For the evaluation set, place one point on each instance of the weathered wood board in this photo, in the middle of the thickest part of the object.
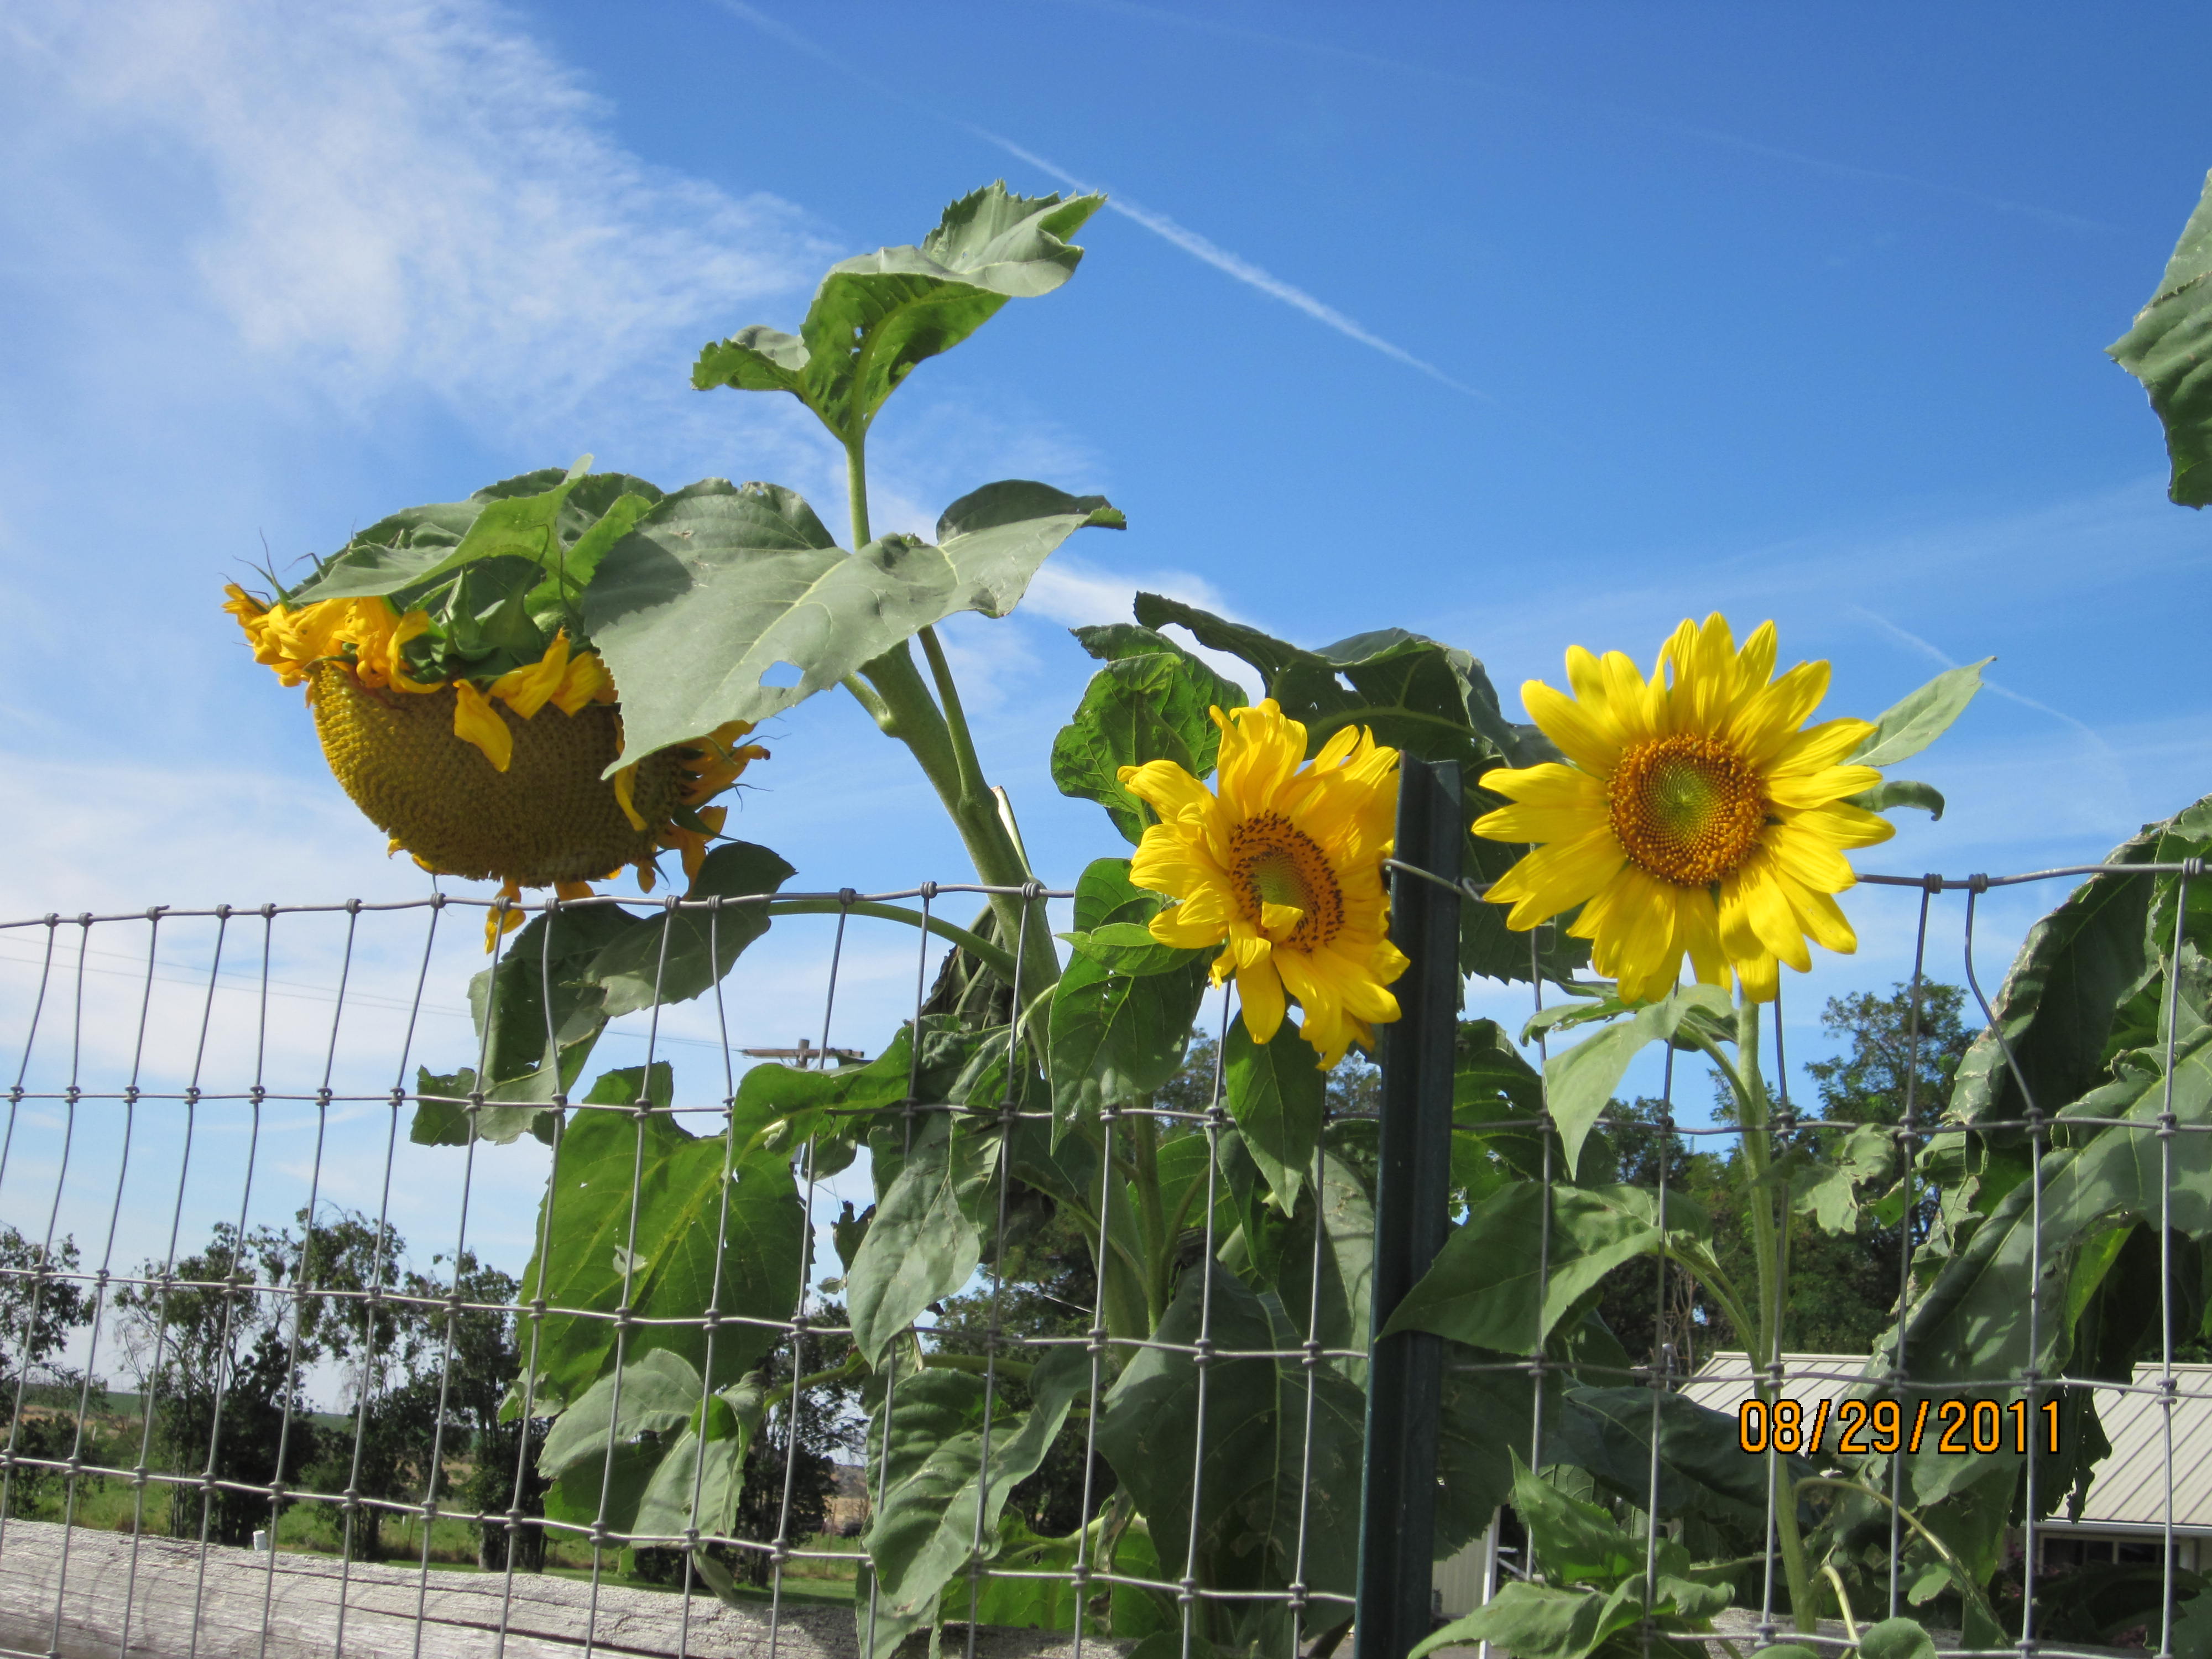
(238, 1604)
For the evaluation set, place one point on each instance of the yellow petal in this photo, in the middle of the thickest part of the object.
(1260, 1001)
(526, 690)
(1548, 785)
(497, 921)
(625, 793)
(1808, 859)
(1584, 739)
(1767, 909)
(1822, 919)
(1165, 787)
(1814, 789)
(1844, 826)
(586, 681)
(1558, 877)
(475, 721)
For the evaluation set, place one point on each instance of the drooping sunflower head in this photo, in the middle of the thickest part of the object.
(1282, 866)
(1696, 813)
(492, 776)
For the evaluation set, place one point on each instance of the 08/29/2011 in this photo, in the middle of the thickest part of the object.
(1961, 1425)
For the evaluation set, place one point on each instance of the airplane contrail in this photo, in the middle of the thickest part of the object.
(1200, 247)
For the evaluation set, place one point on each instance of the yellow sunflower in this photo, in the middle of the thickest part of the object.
(1284, 868)
(483, 780)
(1692, 818)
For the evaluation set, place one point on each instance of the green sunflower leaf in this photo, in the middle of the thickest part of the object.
(1487, 1287)
(1920, 718)
(927, 1236)
(675, 956)
(875, 317)
(1145, 705)
(543, 1009)
(2167, 350)
(641, 1211)
(939, 1478)
(720, 589)
(1276, 1095)
(2078, 969)
(1892, 793)
(414, 547)
(1117, 1036)
(1580, 1080)
(1280, 1440)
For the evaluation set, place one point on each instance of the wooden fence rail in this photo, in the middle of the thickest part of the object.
(185, 1603)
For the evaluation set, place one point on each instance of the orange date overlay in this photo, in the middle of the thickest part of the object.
(1856, 1427)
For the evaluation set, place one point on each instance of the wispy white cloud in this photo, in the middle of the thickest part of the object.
(411, 195)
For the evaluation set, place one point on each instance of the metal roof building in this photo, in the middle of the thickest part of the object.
(2124, 1516)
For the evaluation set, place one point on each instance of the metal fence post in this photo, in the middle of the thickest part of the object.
(1398, 1499)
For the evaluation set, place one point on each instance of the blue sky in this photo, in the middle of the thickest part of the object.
(1517, 326)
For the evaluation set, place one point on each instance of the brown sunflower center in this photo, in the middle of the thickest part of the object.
(549, 817)
(1270, 861)
(1686, 808)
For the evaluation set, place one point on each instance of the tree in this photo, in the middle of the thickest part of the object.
(382, 1339)
(38, 1311)
(1866, 1084)
(218, 1356)
(427, 1384)
(486, 1358)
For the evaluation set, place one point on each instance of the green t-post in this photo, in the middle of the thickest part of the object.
(1413, 1194)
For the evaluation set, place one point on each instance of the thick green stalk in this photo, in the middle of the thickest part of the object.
(974, 791)
(900, 705)
(1764, 1340)
(1144, 1133)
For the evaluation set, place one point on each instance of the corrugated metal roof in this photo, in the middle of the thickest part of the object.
(2129, 1493)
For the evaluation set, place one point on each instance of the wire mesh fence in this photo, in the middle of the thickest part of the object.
(304, 1390)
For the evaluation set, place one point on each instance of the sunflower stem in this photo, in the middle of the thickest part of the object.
(974, 791)
(901, 706)
(1145, 1137)
(879, 710)
(1763, 1341)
